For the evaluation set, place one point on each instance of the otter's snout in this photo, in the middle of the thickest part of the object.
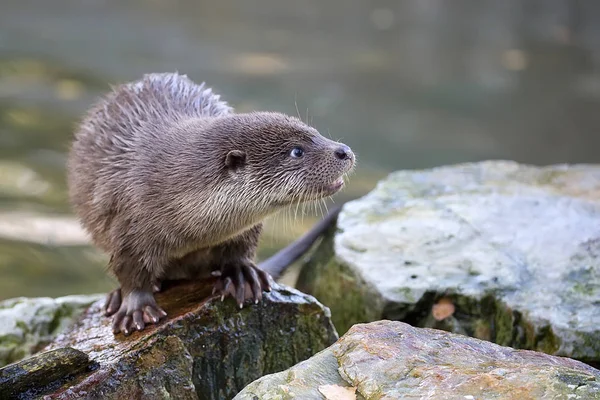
(343, 152)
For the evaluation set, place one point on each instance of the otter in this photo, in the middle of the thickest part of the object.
(173, 184)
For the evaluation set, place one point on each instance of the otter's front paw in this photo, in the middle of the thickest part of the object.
(137, 309)
(113, 299)
(241, 281)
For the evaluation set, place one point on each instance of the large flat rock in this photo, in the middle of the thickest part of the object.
(495, 250)
(392, 360)
(205, 349)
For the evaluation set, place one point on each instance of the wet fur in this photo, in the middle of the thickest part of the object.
(172, 183)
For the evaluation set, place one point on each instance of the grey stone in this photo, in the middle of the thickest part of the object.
(392, 360)
(514, 249)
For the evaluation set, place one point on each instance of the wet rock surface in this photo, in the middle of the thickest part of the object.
(495, 250)
(392, 360)
(206, 349)
(30, 377)
(28, 324)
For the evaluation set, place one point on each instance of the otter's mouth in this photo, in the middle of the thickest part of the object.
(333, 187)
(321, 192)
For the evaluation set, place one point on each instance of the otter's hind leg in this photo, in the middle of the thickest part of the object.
(138, 306)
(240, 278)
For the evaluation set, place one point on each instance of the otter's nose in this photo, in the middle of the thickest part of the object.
(343, 152)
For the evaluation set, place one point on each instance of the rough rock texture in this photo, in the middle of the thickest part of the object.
(495, 250)
(392, 360)
(27, 325)
(27, 378)
(206, 349)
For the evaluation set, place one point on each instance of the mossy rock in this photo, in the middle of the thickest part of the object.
(205, 349)
(496, 250)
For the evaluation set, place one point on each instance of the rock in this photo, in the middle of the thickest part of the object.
(392, 360)
(495, 250)
(205, 349)
(28, 324)
(49, 369)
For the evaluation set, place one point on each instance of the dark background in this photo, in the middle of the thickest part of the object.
(407, 84)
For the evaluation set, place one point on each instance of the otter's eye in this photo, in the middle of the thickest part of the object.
(297, 152)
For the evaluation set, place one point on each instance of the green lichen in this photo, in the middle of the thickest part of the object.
(546, 340)
(590, 345)
(527, 338)
(22, 326)
(408, 294)
(491, 319)
(504, 324)
(354, 308)
(483, 330)
(60, 313)
(10, 340)
(574, 384)
(330, 281)
(586, 289)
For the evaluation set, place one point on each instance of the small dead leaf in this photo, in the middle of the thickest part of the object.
(336, 392)
(443, 309)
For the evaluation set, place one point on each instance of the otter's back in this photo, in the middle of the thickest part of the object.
(156, 98)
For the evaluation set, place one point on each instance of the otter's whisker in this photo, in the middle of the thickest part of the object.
(297, 205)
(326, 208)
(296, 104)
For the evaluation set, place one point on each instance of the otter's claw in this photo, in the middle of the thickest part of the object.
(137, 309)
(242, 282)
(113, 302)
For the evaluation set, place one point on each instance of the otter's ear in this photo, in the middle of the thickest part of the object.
(235, 159)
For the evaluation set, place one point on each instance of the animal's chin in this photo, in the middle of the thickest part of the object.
(325, 190)
(315, 194)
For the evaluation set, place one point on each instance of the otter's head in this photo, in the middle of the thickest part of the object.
(283, 158)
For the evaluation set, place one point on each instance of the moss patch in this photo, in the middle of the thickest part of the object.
(337, 286)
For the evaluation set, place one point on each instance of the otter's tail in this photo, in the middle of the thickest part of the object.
(280, 261)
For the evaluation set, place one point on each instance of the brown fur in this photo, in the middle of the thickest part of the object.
(171, 182)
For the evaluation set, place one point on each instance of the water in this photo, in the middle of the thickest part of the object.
(407, 84)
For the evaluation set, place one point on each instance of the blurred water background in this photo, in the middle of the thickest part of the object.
(407, 84)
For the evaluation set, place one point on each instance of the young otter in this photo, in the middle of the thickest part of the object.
(172, 183)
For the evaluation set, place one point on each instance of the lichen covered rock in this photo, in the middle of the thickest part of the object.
(28, 324)
(495, 250)
(205, 349)
(392, 360)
